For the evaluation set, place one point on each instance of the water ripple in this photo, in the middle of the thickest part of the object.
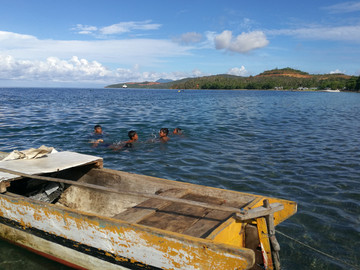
(298, 146)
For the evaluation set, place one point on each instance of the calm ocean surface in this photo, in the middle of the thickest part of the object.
(301, 146)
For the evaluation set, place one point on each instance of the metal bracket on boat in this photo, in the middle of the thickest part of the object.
(267, 210)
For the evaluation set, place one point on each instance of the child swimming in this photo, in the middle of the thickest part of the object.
(133, 136)
(164, 135)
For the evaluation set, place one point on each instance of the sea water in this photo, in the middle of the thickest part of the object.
(301, 146)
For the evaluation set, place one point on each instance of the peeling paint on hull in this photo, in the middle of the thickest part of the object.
(52, 250)
(123, 244)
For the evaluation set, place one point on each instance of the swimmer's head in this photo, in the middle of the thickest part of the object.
(132, 134)
(97, 129)
(177, 130)
(164, 132)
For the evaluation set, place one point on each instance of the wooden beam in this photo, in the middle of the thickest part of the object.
(271, 230)
(260, 211)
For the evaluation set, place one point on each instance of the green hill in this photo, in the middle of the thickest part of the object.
(286, 78)
(285, 72)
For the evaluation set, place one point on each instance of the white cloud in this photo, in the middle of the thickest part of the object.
(188, 38)
(52, 69)
(345, 7)
(27, 58)
(223, 40)
(238, 71)
(197, 73)
(124, 27)
(242, 43)
(337, 71)
(246, 24)
(116, 29)
(85, 29)
(119, 52)
(4, 36)
(78, 70)
(340, 33)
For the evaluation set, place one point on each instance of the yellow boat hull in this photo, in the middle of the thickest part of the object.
(92, 229)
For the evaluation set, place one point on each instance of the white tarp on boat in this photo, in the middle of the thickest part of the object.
(47, 164)
(30, 153)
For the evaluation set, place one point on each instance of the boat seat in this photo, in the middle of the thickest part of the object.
(177, 217)
(150, 206)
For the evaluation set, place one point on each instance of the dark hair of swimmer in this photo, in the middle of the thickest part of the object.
(97, 126)
(131, 134)
(165, 130)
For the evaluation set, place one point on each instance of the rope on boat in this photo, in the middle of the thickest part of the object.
(319, 251)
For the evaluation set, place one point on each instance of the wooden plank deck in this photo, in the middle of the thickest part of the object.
(177, 217)
(149, 207)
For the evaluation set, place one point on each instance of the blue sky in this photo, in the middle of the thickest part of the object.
(96, 43)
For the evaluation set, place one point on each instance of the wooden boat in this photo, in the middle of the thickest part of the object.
(67, 207)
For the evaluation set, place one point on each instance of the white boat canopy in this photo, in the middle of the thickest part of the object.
(47, 164)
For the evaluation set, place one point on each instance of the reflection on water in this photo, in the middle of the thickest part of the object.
(302, 146)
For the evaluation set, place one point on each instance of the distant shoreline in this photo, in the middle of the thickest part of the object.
(277, 79)
(277, 90)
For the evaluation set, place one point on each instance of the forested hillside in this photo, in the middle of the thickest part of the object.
(286, 78)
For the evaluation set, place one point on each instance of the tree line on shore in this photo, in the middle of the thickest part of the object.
(286, 83)
(285, 79)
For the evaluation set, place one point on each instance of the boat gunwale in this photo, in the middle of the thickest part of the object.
(252, 199)
(159, 179)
